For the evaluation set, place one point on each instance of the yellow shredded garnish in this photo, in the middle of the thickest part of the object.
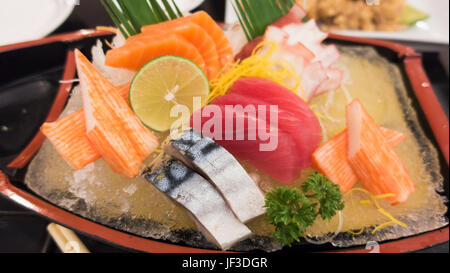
(108, 44)
(260, 65)
(318, 114)
(374, 201)
(356, 233)
(365, 202)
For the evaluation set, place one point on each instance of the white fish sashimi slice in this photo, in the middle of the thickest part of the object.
(278, 35)
(312, 37)
(307, 33)
(313, 76)
(334, 81)
(203, 202)
(328, 55)
(221, 168)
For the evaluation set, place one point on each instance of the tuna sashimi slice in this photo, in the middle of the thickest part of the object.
(201, 200)
(111, 126)
(299, 119)
(281, 163)
(137, 52)
(193, 33)
(330, 159)
(373, 160)
(296, 129)
(68, 136)
(223, 170)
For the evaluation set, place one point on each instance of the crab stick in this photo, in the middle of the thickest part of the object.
(111, 126)
(68, 136)
(330, 159)
(373, 160)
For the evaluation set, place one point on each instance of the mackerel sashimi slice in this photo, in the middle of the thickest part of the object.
(200, 198)
(223, 170)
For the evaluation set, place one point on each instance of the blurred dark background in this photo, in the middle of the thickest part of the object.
(24, 231)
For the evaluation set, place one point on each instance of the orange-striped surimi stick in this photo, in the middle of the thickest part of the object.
(68, 136)
(373, 160)
(330, 159)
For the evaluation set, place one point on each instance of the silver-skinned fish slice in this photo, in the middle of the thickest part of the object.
(222, 169)
(203, 202)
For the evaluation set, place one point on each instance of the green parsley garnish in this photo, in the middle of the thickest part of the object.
(292, 211)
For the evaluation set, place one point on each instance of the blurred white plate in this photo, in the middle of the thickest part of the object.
(24, 20)
(433, 30)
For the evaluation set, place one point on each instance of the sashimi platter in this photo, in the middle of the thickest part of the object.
(262, 135)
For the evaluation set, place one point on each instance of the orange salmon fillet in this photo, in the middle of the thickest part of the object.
(137, 52)
(373, 160)
(193, 33)
(223, 46)
(330, 159)
(68, 136)
(111, 126)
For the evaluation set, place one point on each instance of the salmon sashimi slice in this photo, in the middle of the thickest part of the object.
(137, 52)
(111, 126)
(193, 33)
(223, 46)
(373, 160)
(68, 136)
(330, 159)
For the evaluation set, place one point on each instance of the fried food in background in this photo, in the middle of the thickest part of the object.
(383, 15)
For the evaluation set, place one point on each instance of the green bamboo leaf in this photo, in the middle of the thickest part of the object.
(157, 10)
(244, 28)
(256, 15)
(130, 15)
(123, 18)
(169, 9)
(115, 19)
(180, 14)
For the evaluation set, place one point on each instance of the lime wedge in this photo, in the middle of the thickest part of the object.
(163, 83)
(411, 15)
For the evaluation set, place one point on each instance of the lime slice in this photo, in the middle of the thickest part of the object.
(411, 15)
(163, 83)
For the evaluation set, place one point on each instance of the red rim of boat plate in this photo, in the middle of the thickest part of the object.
(420, 84)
